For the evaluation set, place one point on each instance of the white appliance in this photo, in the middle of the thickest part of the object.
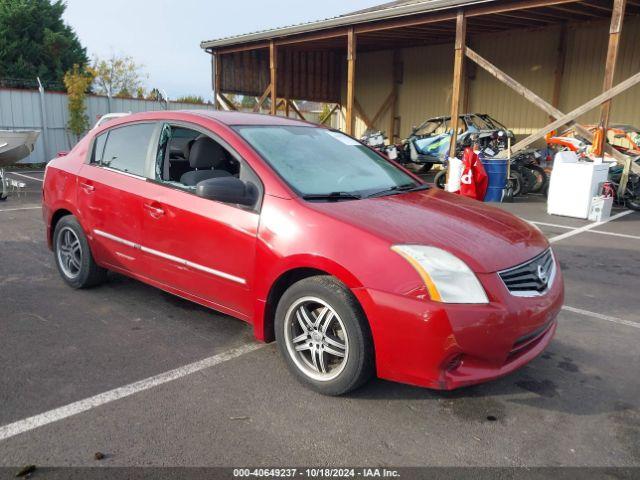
(573, 185)
(600, 208)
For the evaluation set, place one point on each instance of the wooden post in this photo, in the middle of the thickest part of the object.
(615, 30)
(351, 76)
(458, 67)
(560, 64)
(217, 79)
(398, 75)
(273, 67)
(617, 17)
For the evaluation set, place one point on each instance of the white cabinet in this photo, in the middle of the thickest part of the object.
(573, 185)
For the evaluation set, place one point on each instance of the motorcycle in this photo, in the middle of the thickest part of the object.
(631, 197)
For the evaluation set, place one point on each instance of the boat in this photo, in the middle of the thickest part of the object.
(14, 146)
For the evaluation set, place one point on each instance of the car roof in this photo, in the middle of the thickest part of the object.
(224, 117)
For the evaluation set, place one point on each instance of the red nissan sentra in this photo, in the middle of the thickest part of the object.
(354, 265)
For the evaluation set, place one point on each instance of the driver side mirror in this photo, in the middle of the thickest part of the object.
(228, 190)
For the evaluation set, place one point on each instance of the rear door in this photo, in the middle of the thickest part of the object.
(111, 192)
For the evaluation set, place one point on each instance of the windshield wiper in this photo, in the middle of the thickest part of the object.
(332, 196)
(411, 187)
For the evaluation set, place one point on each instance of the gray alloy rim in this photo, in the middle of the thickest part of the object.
(316, 338)
(69, 252)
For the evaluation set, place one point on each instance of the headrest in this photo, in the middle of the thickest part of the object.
(205, 153)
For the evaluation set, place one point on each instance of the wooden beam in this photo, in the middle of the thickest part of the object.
(294, 107)
(615, 30)
(617, 17)
(384, 107)
(261, 100)
(351, 78)
(512, 6)
(217, 78)
(362, 114)
(458, 67)
(225, 102)
(327, 116)
(537, 100)
(241, 48)
(273, 69)
(558, 73)
(581, 110)
(313, 37)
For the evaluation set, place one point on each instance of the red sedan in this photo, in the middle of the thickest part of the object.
(354, 265)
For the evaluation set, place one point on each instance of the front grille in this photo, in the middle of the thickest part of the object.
(531, 278)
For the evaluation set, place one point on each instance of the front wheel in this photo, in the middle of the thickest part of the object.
(323, 336)
(73, 255)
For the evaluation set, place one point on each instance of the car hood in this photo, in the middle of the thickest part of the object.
(486, 238)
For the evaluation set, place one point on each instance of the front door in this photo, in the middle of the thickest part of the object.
(198, 246)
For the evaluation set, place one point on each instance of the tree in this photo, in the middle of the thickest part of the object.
(35, 41)
(78, 80)
(196, 99)
(247, 101)
(117, 76)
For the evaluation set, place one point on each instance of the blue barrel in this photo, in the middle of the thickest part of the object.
(497, 172)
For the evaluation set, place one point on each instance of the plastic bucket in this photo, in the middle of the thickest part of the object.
(497, 173)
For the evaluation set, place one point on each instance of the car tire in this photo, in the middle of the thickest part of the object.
(440, 180)
(73, 256)
(333, 318)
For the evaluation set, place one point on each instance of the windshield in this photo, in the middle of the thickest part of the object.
(316, 161)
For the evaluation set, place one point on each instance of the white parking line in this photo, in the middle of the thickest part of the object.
(34, 207)
(75, 408)
(600, 316)
(587, 227)
(26, 176)
(623, 235)
(551, 225)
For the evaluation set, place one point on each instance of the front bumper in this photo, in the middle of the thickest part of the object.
(447, 346)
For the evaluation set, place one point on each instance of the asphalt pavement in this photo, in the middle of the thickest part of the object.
(578, 404)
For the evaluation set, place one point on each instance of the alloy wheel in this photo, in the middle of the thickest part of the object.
(316, 338)
(69, 252)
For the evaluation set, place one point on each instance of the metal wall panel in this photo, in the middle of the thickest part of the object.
(584, 72)
(528, 56)
(20, 109)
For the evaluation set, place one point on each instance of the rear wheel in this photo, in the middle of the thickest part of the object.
(73, 255)
(540, 178)
(441, 179)
(633, 203)
(515, 183)
(324, 336)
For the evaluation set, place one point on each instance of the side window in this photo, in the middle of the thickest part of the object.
(125, 148)
(186, 157)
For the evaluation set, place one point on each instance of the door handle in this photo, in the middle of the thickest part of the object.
(154, 210)
(87, 187)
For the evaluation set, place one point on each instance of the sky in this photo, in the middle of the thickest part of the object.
(164, 35)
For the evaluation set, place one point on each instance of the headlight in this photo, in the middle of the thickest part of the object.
(447, 278)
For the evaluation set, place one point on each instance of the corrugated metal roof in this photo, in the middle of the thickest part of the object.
(382, 12)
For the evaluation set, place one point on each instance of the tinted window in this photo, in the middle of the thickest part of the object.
(126, 148)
